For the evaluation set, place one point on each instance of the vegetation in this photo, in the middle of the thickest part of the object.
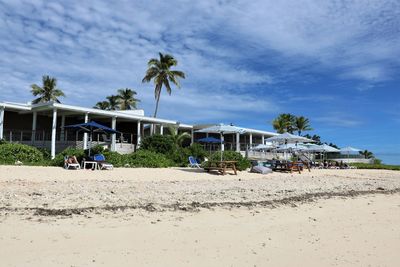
(48, 91)
(124, 100)
(302, 124)
(242, 163)
(159, 70)
(177, 137)
(11, 153)
(367, 154)
(376, 166)
(290, 123)
(285, 122)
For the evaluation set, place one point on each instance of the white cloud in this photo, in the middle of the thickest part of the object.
(226, 48)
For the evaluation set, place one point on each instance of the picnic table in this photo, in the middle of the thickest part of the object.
(221, 166)
(287, 166)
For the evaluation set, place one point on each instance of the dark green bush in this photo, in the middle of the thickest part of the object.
(242, 163)
(12, 152)
(116, 159)
(149, 159)
(163, 144)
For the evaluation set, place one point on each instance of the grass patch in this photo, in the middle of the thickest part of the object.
(376, 166)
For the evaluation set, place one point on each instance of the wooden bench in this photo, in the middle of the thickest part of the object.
(221, 166)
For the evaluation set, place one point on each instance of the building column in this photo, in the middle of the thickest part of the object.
(62, 133)
(237, 142)
(113, 136)
(162, 129)
(85, 135)
(1, 123)
(192, 136)
(34, 122)
(151, 129)
(53, 134)
(263, 139)
(222, 143)
(251, 140)
(139, 135)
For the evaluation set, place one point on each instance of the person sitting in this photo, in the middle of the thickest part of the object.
(71, 162)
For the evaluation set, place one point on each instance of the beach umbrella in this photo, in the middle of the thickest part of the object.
(349, 150)
(287, 138)
(262, 147)
(222, 129)
(209, 140)
(92, 127)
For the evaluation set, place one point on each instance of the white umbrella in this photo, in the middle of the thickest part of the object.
(222, 129)
(348, 150)
(288, 138)
(262, 147)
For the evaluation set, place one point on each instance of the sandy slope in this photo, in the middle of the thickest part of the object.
(182, 217)
(364, 231)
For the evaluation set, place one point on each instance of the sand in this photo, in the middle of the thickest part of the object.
(182, 217)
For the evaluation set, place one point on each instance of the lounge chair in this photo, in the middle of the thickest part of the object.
(102, 163)
(70, 162)
(193, 163)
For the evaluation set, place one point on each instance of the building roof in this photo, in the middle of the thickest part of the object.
(76, 109)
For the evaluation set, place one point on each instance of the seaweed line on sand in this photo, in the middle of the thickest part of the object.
(195, 206)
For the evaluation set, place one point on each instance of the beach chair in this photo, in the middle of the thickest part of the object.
(102, 163)
(71, 165)
(193, 163)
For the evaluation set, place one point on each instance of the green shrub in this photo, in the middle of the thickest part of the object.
(149, 159)
(70, 151)
(376, 166)
(12, 152)
(117, 159)
(163, 144)
(242, 163)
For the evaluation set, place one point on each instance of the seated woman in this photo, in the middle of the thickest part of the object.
(71, 161)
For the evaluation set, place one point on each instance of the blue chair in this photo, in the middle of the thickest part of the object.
(193, 163)
(102, 163)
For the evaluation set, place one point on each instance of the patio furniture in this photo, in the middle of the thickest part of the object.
(221, 166)
(102, 164)
(93, 164)
(193, 163)
(68, 164)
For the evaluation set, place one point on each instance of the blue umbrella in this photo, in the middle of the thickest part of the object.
(210, 140)
(92, 127)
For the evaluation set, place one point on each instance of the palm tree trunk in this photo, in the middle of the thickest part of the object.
(157, 101)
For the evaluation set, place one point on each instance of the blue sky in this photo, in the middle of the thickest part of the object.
(335, 62)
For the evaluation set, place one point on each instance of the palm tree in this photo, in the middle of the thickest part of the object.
(48, 92)
(127, 99)
(367, 154)
(104, 105)
(113, 101)
(178, 138)
(284, 123)
(302, 124)
(159, 70)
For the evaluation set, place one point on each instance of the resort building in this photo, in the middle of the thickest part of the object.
(42, 126)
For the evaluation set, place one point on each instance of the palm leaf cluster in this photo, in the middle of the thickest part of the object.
(159, 70)
(287, 122)
(124, 100)
(48, 92)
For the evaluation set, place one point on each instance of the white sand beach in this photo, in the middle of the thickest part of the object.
(183, 217)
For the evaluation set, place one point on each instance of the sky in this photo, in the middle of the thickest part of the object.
(335, 62)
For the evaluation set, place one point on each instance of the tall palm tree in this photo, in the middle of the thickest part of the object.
(104, 105)
(113, 101)
(302, 124)
(127, 99)
(284, 123)
(367, 154)
(48, 91)
(159, 70)
(178, 138)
